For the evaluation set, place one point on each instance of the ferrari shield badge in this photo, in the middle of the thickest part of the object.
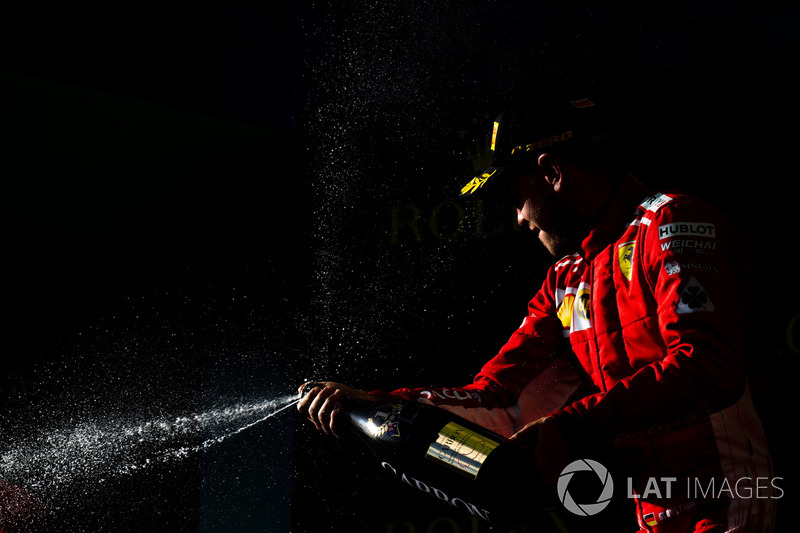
(625, 258)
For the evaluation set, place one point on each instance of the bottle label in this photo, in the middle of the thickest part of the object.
(384, 422)
(461, 449)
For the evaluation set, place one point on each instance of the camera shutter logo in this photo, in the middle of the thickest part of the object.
(585, 509)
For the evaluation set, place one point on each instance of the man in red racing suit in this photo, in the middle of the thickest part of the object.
(649, 309)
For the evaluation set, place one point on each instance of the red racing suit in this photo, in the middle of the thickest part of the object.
(651, 312)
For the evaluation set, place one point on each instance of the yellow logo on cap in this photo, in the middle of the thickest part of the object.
(476, 183)
(544, 143)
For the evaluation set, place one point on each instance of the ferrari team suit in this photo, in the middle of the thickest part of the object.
(651, 312)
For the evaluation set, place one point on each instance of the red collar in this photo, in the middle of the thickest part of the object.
(618, 214)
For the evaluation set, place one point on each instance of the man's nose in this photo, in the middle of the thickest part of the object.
(520, 218)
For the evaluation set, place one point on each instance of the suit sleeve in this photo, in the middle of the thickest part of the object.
(532, 375)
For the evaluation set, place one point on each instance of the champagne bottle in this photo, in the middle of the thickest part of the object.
(454, 460)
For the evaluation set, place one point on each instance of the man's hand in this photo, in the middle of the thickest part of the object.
(322, 404)
(549, 446)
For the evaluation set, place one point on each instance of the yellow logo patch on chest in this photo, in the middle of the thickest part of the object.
(625, 258)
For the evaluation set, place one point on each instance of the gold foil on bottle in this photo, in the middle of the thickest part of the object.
(461, 449)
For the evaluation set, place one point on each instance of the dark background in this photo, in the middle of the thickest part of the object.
(211, 201)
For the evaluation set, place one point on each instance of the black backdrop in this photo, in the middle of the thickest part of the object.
(209, 203)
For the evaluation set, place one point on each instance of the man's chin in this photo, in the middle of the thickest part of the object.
(557, 246)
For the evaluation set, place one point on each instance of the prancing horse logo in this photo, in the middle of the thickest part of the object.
(625, 258)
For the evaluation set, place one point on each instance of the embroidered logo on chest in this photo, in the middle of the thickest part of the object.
(625, 258)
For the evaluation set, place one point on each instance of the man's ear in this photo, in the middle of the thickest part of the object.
(551, 170)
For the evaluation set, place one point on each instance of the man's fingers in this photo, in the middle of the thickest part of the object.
(309, 405)
(327, 412)
(308, 397)
(316, 402)
(321, 406)
(527, 436)
(334, 417)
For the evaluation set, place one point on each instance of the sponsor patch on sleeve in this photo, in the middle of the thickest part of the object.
(693, 298)
(693, 229)
(655, 202)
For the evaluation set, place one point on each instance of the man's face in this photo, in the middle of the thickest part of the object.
(542, 210)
